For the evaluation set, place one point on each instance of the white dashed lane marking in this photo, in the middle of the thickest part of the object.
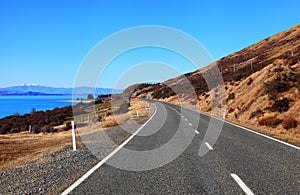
(239, 181)
(209, 146)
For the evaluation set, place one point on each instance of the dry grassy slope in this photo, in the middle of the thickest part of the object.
(245, 74)
(237, 66)
(252, 96)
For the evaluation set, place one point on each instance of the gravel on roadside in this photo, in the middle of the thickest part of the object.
(48, 173)
(53, 173)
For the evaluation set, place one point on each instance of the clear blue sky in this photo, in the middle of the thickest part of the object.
(44, 42)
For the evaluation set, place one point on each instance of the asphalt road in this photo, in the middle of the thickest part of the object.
(240, 162)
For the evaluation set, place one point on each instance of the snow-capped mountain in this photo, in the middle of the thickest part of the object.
(23, 84)
(25, 88)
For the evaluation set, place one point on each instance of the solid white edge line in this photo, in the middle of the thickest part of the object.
(239, 181)
(196, 131)
(209, 146)
(266, 136)
(252, 131)
(87, 174)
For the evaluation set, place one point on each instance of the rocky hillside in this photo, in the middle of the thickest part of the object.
(262, 85)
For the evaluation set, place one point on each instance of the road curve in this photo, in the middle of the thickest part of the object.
(240, 162)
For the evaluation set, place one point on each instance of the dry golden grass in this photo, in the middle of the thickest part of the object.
(17, 149)
(250, 97)
(135, 103)
(142, 107)
(291, 136)
(247, 73)
(112, 121)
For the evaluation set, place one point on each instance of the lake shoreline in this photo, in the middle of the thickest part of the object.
(21, 105)
(78, 101)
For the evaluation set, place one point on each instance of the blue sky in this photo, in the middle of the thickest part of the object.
(44, 42)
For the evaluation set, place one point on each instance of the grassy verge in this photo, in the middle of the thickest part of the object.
(20, 148)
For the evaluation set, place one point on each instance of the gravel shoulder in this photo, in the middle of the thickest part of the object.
(53, 172)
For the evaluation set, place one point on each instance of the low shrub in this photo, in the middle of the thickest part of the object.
(163, 92)
(68, 126)
(249, 82)
(231, 96)
(278, 69)
(272, 96)
(277, 86)
(36, 129)
(269, 121)
(41, 119)
(47, 129)
(289, 123)
(235, 115)
(231, 110)
(238, 77)
(280, 105)
(5, 129)
(256, 114)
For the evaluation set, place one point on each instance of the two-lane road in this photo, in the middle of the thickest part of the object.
(239, 162)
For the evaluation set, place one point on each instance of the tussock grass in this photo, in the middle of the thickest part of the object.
(112, 121)
(18, 148)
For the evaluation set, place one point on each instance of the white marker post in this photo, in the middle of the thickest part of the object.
(29, 128)
(137, 112)
(73, 135)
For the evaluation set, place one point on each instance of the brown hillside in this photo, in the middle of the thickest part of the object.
(262, 85)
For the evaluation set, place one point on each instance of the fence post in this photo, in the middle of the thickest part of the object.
(29, 128)
(73, 135)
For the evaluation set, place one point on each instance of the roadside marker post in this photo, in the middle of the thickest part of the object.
(137, 112)
(73, 135)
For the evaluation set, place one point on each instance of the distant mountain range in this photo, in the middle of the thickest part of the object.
(28, 89)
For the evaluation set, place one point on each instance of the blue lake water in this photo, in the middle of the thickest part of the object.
(10, 105)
